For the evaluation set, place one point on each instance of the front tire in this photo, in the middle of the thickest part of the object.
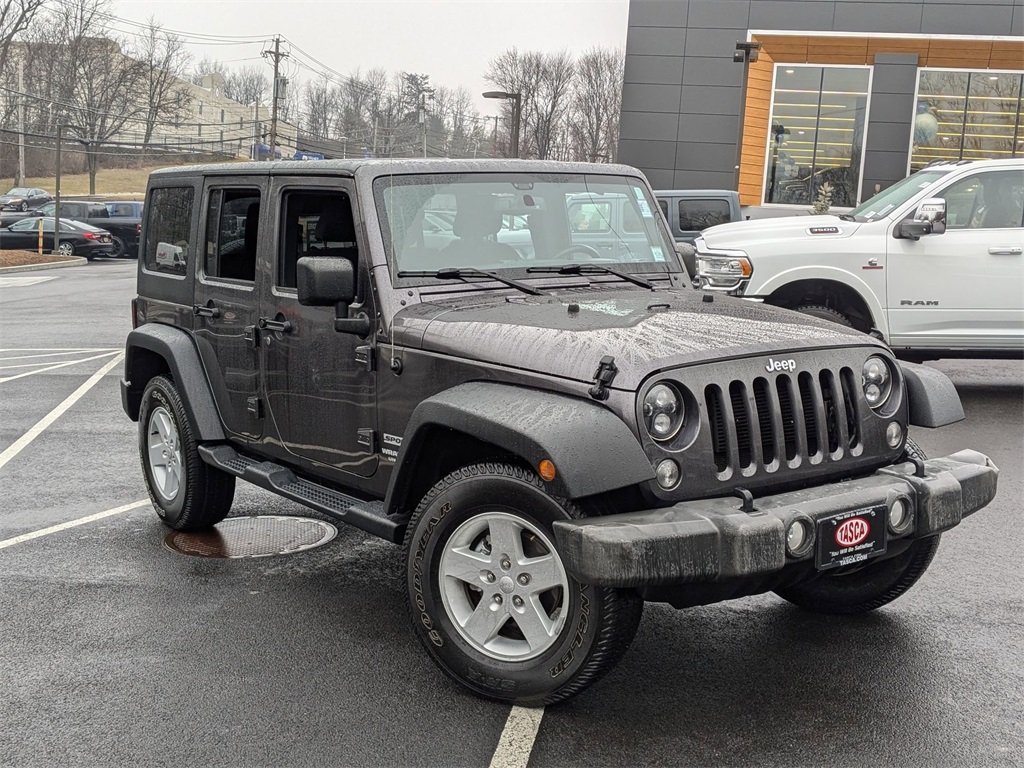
(24, 207)
(119, 246)
(490, 598)
(826, 313)
(187, 493)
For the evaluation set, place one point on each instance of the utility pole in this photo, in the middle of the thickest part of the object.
(21, 122)
(56, 209)
(423, 119)
(277, 55)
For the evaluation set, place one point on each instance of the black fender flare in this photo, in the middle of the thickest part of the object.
(592, 449)
(144, 348)
(934, 401)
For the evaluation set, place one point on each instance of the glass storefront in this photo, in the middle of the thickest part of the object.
(816, 134)
(967, 115)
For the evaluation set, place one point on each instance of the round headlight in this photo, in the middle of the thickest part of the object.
(876, 378)
(663, 411)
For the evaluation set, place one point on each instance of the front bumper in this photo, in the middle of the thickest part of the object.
(714, 540)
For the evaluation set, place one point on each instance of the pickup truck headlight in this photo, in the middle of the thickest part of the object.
(876, 378)
(663, 411)
(721, 271)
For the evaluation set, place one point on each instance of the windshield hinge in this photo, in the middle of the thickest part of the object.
(604, 376)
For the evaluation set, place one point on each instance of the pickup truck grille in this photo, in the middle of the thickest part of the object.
(783, 421)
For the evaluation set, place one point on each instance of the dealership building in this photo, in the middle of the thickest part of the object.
(776, 97)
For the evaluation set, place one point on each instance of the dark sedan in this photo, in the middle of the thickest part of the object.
(76, 239)
(23, 198)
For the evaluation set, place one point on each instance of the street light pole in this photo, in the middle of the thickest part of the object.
(517, 115)
(746, 52)
(56, 209)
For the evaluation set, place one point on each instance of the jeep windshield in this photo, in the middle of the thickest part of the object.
(889, 199)
(521, 223)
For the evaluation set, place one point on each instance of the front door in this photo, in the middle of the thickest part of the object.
(963, 288)
(319, 384)
(227, 301)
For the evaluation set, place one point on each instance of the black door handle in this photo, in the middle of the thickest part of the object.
(284, 326)
(200, 311)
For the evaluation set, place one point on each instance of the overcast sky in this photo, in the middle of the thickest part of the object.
(451, 40)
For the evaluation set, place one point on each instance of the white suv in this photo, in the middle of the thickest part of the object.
(934, 262)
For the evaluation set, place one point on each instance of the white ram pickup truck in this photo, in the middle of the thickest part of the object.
(934, 263)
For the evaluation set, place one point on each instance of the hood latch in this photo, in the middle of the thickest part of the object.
(604, 376)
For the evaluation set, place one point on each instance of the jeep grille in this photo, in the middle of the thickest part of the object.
(762, 423)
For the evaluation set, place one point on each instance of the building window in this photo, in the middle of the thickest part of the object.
(222, 115)
(200, 107)
(967, 115)
(816, 134)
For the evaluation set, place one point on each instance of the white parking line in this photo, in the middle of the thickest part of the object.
(516, 742)
(71, 524)
(16, 447)
(54, 354)
(56, 366)
(22, 282)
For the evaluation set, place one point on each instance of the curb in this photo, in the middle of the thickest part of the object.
(78, 262)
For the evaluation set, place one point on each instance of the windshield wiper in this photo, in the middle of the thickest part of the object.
(593, 269)
(458, 273)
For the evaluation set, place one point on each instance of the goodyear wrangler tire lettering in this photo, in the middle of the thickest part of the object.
(490, 600)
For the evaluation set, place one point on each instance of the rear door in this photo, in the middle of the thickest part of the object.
(963, 288)
(227, 299)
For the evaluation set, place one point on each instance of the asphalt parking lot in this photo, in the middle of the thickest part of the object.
(114, 650)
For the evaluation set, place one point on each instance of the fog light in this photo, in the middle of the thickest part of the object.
(798, 537)
(668, 474)
(899, 516)
(894, 434)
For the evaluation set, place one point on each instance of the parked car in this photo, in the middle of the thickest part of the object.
(124, 230)
(934, 263)
(23, 199)
(690, 211)
(76, 238)
(552, 440)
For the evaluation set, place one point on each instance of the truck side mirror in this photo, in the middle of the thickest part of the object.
(929, 219)
(325, 280)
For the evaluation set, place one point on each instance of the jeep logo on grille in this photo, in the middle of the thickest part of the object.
(852, 532)
(780, 365)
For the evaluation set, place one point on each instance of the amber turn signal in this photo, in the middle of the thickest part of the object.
(547, 470)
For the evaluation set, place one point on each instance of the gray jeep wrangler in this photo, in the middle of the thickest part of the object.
(556, 429)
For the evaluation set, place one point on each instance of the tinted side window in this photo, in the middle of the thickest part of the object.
(232, 232)
(701, 214)
(663, 204)
(168, 229)
(315, 224)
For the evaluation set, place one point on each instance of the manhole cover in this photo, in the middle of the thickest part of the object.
(260, 536)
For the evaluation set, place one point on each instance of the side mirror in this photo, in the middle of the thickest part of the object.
(323, 281)
(929, 219)
(688, 255)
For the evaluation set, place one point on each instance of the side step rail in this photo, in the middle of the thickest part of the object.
(367, 515)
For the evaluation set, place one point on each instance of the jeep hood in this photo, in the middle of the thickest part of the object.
(739, 234)
(567, 334)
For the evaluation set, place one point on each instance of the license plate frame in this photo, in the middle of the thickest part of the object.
(841, 539)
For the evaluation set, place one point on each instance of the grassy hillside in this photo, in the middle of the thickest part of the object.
(127, 183)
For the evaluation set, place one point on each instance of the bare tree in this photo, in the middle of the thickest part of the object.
(15, 17)
(206, 66)
(247, 85)
(596, 100)
(165, 62)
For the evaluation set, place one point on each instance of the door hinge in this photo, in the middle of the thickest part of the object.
(252, 336)
(368, 439)
(604, 376)
(365, 357)
(255, 406)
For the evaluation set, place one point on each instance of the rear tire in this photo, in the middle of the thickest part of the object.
(187, 493)
(870, 586)
(826, 313)
(490, 599)
(66, 249)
